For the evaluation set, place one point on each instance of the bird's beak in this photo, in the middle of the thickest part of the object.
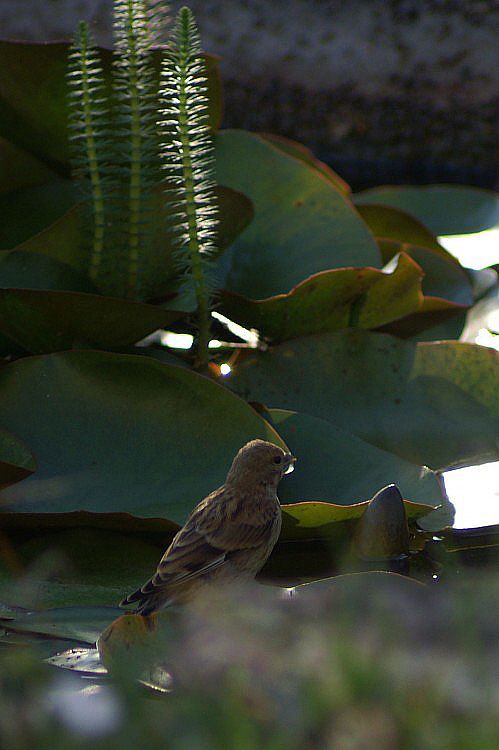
(289, 462)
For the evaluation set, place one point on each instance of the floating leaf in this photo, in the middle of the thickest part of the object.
(309, 520)
(119, 433)
(435, 320)
(301, 152)
(63, 240)
(444, 209)
(235, 212)
(75, 566)
(442, 277)
(302, 223)
(16, 460)
(74, 623)
(435, 404)
(20, 269)
(331, 300)
(25, 212)
(375, 586)
(46, 321)
(339, 467)
(19, 169)
(394, 224)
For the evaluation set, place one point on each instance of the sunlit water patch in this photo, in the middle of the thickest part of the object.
(474, 491)
(477, 250)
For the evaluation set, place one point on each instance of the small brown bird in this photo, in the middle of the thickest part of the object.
(228, 536)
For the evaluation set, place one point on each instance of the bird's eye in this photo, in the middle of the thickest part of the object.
(278, 459)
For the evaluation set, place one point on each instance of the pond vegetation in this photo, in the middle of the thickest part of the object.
(126, 210)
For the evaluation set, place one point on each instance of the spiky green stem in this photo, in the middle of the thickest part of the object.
(135, 188)
(83, 74)
(188, 161)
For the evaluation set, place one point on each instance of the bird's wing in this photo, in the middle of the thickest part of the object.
(203, 545)
(189, 555)
(210, 537)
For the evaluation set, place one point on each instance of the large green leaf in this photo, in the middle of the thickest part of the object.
(74, 623)
(435, 404)
(33, 108)
(393, 224)
(22, 269)
(302, 153)
(448, 294)
(47, 305)
(25, 212)
(444, 209)
(19, 169)
(336, 466)
(70, 567)
(63, 240)
(331, 300)
(443, 277)
(302, 223)
(436, 320)
(44, 321)
(16, 461)
(121, 433)
(309, 520)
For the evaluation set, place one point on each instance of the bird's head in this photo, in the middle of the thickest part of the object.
(260, 462)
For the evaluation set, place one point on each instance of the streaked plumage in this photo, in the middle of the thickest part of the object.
(228, 536)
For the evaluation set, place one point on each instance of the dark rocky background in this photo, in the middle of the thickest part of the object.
(385, 90)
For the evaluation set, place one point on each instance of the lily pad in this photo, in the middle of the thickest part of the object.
(332, 300)
(46, 321)
(19, 169)
(434, 404)
(302, 153)
(20, 269)
(16, 460)
(63, 240)
(27, 211)
(337, 466)
(309, 520)
(302, 223)
(442, 277)
(74, 623)
(394, 224)
(436, 320)
(379, 588)
(444, 209)
(119, 433)
(79, 566)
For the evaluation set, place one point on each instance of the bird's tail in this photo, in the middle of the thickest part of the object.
(148, 602)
